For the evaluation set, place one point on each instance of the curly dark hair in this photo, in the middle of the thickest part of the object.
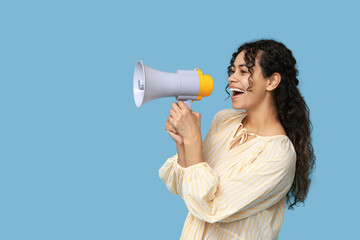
(275, 57)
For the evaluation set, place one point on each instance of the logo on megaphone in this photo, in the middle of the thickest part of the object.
(150, 84)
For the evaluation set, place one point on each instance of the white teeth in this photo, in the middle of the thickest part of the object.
(235, 89)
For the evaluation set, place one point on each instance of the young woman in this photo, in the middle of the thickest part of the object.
(236, 183)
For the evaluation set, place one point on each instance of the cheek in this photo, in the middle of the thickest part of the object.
(246, 83)
(258, 84)
(249, 84)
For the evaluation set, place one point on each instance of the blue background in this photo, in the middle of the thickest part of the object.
(80, 161)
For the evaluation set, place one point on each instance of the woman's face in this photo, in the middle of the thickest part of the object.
(239, 80)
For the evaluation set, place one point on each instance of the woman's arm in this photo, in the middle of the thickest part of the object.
(181, 154)
(172, 170)
(193, 150)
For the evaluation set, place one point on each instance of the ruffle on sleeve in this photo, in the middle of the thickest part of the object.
(198, 181)
(172, 175)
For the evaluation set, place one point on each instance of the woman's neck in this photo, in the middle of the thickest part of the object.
(263, 121)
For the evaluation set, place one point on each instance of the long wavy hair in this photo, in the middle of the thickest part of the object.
(275, 57)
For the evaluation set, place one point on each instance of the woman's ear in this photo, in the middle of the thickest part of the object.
(273, 81)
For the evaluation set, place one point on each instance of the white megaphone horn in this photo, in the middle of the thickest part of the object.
(150, 84)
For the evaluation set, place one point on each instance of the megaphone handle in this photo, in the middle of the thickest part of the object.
(188, 104)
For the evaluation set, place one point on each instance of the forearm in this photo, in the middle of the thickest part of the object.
(181, 154)
(193, 151)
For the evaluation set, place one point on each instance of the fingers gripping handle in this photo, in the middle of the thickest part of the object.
(188, 104)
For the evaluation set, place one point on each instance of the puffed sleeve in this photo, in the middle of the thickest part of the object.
(176, 177)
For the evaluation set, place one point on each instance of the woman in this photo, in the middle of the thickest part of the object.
(236, 183)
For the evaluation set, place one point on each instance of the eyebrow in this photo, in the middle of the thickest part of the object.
(239, 66)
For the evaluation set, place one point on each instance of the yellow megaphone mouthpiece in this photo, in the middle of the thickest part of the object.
(206, 85)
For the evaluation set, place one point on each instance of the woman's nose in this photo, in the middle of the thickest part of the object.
(232, 78)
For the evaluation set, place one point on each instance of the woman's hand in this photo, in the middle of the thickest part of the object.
(173, 133)
(185, 122)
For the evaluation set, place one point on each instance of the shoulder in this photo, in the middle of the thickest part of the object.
(279, 148)
(227, 115)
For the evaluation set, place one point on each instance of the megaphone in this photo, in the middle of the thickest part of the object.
(184, 85)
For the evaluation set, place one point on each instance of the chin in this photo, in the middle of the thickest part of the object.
(238, 106)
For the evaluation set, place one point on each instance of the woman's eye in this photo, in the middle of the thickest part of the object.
(242, 71)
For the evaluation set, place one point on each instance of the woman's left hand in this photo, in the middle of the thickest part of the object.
(186, 122)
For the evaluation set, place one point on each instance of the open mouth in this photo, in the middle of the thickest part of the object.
(236, 91)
